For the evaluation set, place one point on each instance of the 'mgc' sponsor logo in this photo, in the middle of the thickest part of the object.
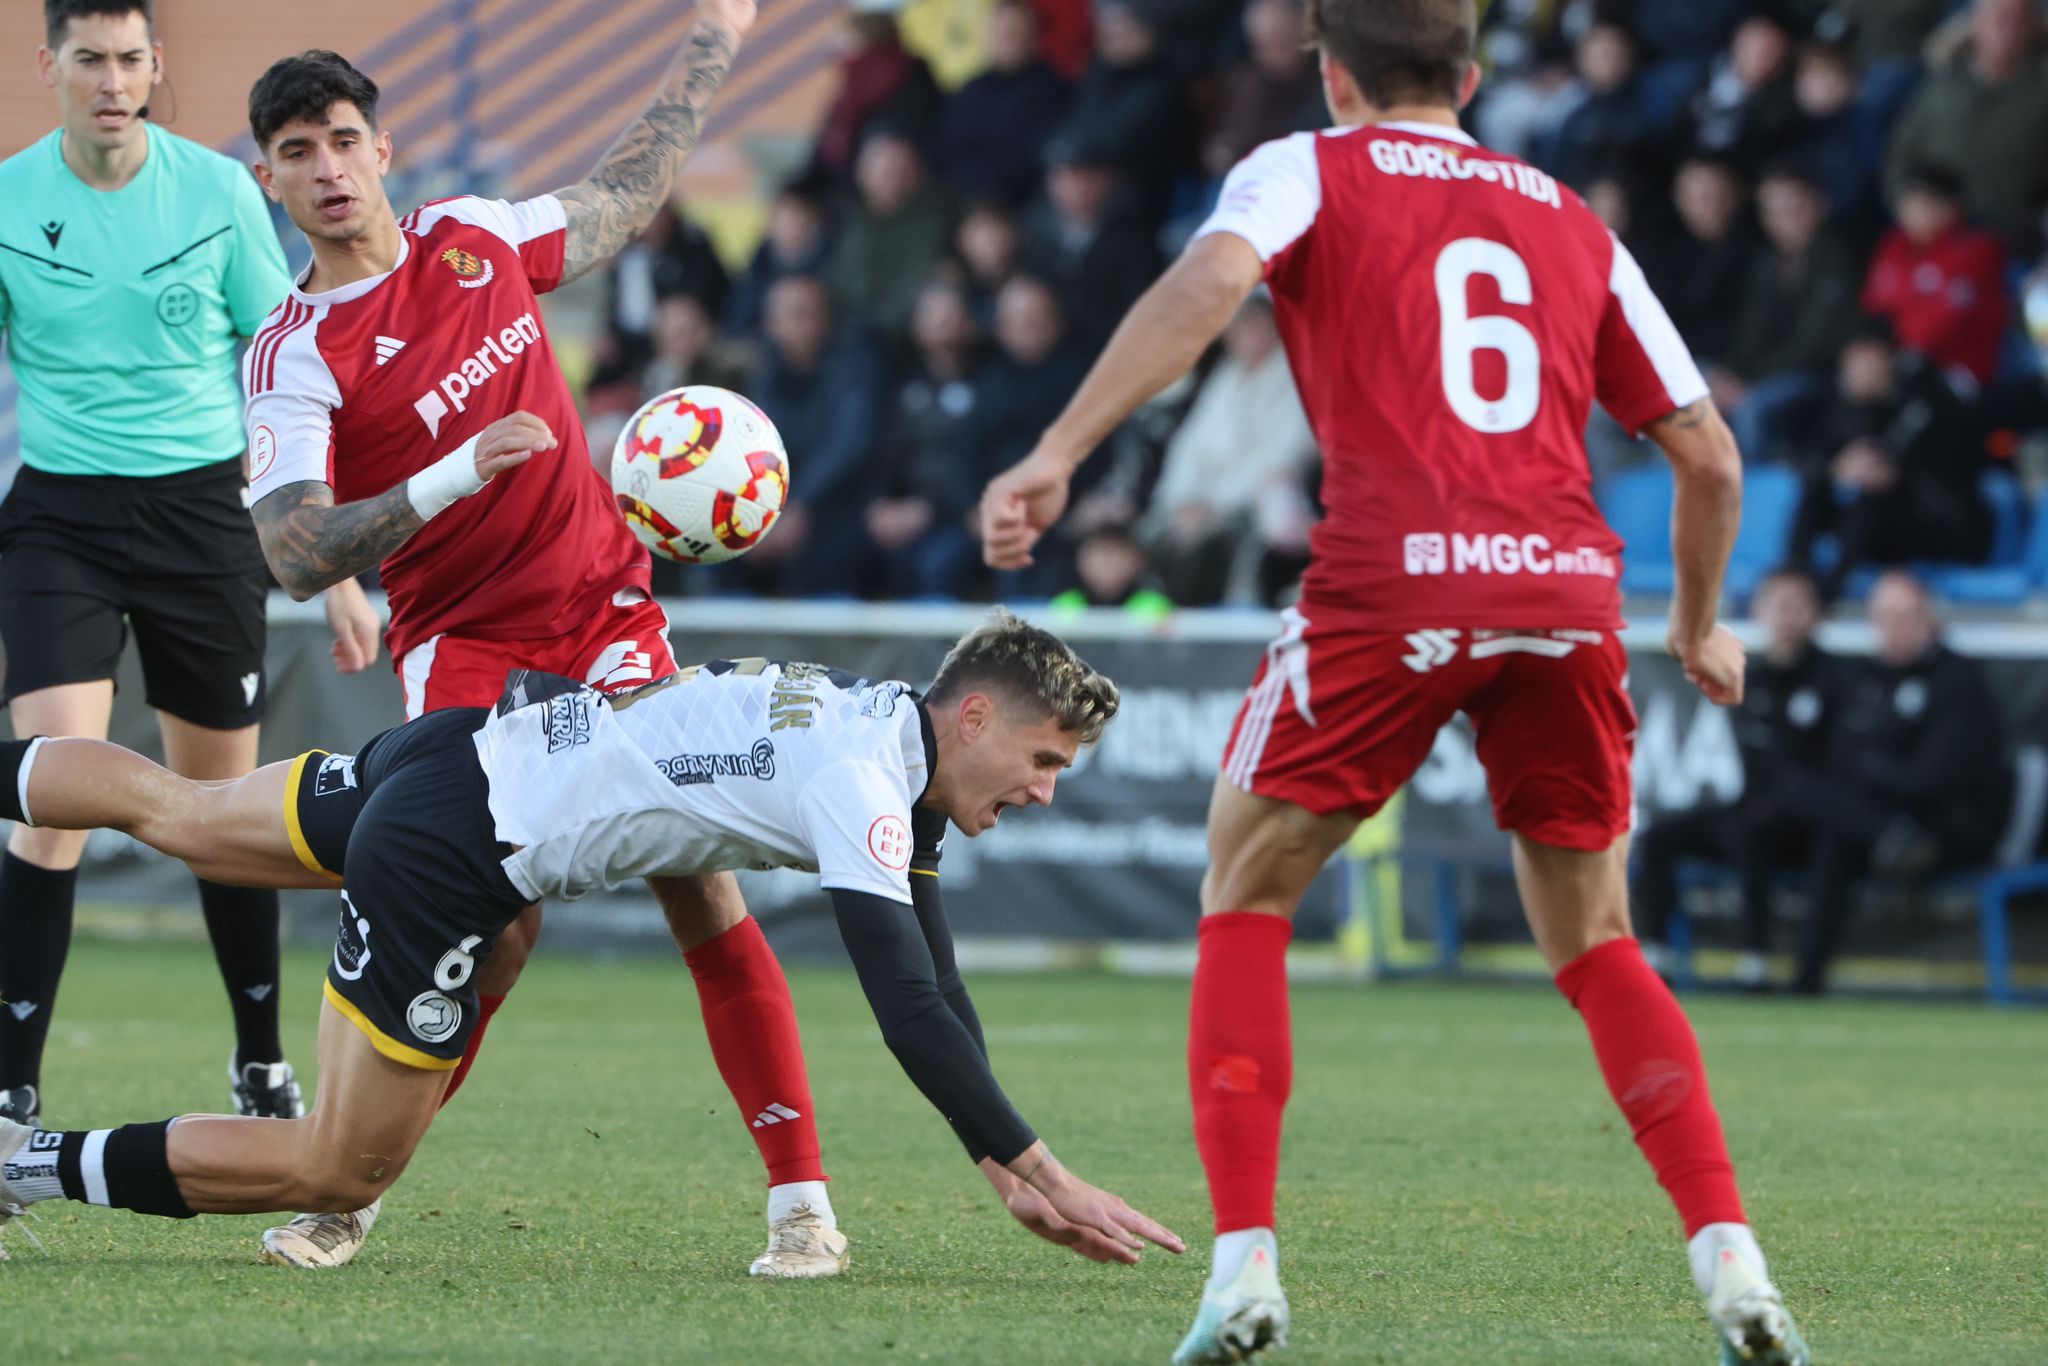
(452, 393)
(1432, 552)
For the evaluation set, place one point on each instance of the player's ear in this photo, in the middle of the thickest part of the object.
(267, 182)
(1340, 92)
(46, 67)
(383, 151)
(977, 713)
(1468, 84)
(156, 63)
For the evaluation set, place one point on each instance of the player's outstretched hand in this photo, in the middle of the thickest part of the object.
(1020, 504)
(511, 441)
(1713, 664)
(356, 626)
(737, 15)
(1036, 1213)
(1102, 1225)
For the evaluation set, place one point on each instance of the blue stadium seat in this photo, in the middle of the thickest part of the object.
(1637, 504)
(2003, 580)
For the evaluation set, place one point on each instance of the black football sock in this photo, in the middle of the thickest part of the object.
(242, 922)
(12, 753)
(126, 1168)
(35, 936)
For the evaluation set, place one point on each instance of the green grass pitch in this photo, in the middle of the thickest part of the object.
(1455, 1188)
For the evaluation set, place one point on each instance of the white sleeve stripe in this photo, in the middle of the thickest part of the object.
(513, 223)
(1653, 330)
(266, 339)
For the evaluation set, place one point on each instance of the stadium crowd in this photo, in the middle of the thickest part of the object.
(1842, 205)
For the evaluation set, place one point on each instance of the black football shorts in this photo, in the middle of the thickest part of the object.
(83, 558)
(406, 825)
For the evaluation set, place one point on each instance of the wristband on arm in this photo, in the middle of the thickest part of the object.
(440, 485)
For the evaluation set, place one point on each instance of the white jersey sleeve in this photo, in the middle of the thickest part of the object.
(292, 396)
(1271, 197)
(1642, 369)
(856, 817)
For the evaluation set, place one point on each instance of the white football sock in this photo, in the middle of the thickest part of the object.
(1233, 1247)
(787, 1196)
(1703, 1246)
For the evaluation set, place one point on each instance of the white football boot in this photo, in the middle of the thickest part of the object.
(1243, 1316)
(319, 1239)
(12, 1136)
(801, 1247)
(1749, 1315)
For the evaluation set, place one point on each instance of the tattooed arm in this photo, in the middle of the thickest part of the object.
(1706, 511)
(312, 543)
(615, 203)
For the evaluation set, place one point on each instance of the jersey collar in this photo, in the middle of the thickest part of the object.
(1431, 130)
(354, 289)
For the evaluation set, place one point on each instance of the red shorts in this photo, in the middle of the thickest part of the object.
(1339, 720)
(623, 646)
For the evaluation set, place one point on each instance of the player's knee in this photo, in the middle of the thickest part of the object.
(52, 849)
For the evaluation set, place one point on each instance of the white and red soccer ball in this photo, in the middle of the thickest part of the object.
(700, 474)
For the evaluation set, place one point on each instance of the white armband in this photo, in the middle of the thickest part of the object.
(434, 489)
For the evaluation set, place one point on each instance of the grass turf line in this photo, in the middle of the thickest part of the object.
(1455, 1185)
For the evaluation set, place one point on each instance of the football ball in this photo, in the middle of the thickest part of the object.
(700, 474)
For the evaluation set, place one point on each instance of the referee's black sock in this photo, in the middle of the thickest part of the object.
(35, 937)
(126, 1168)
(242, 922)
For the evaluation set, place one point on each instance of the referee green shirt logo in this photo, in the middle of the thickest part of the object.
(122, 307)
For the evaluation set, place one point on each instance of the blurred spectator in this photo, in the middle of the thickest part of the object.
(1834, 134)
(1066, 34)
(689, 350)
(1983, 113)
(1885, 36)
(1915, 779)
(1246, 437)
(1110, 571)
(1528, 91)
(1791, 693)
(988, 244)
(1035, 371)
(1702, 265)
(1897, 467)
(1129, 104)
(1605, 127)
(923, 544)
(1745, 109)
(1940, 282)
(1680, 39)
(823, 389)
(993, 130)
(879, 82)
(1085, 241)
(674, 256)
(1273, 90)
(795, 243)
(891, 238)
(1797, 305)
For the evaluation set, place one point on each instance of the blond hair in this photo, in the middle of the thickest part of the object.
(1016, 661)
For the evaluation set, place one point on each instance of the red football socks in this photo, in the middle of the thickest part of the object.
(1240, 1061)
(751, 1023)
(487, 1007)
(1651, 1060)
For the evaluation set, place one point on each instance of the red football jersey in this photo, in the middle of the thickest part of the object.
(1450, 314)
(363, 386)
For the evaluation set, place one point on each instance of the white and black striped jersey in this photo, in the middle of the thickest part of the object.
(732, 764)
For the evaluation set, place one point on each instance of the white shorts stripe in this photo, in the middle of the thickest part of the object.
(92, 1166)
(1258, 722)
(413, 671)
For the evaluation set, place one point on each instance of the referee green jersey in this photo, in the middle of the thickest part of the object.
(121, 307)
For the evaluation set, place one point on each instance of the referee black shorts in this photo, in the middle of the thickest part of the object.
(406, 824)
(85, 557)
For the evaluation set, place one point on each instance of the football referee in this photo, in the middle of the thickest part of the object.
(130, 261)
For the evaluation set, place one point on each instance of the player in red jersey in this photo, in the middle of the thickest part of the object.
(406, 413)
(1450, 314)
